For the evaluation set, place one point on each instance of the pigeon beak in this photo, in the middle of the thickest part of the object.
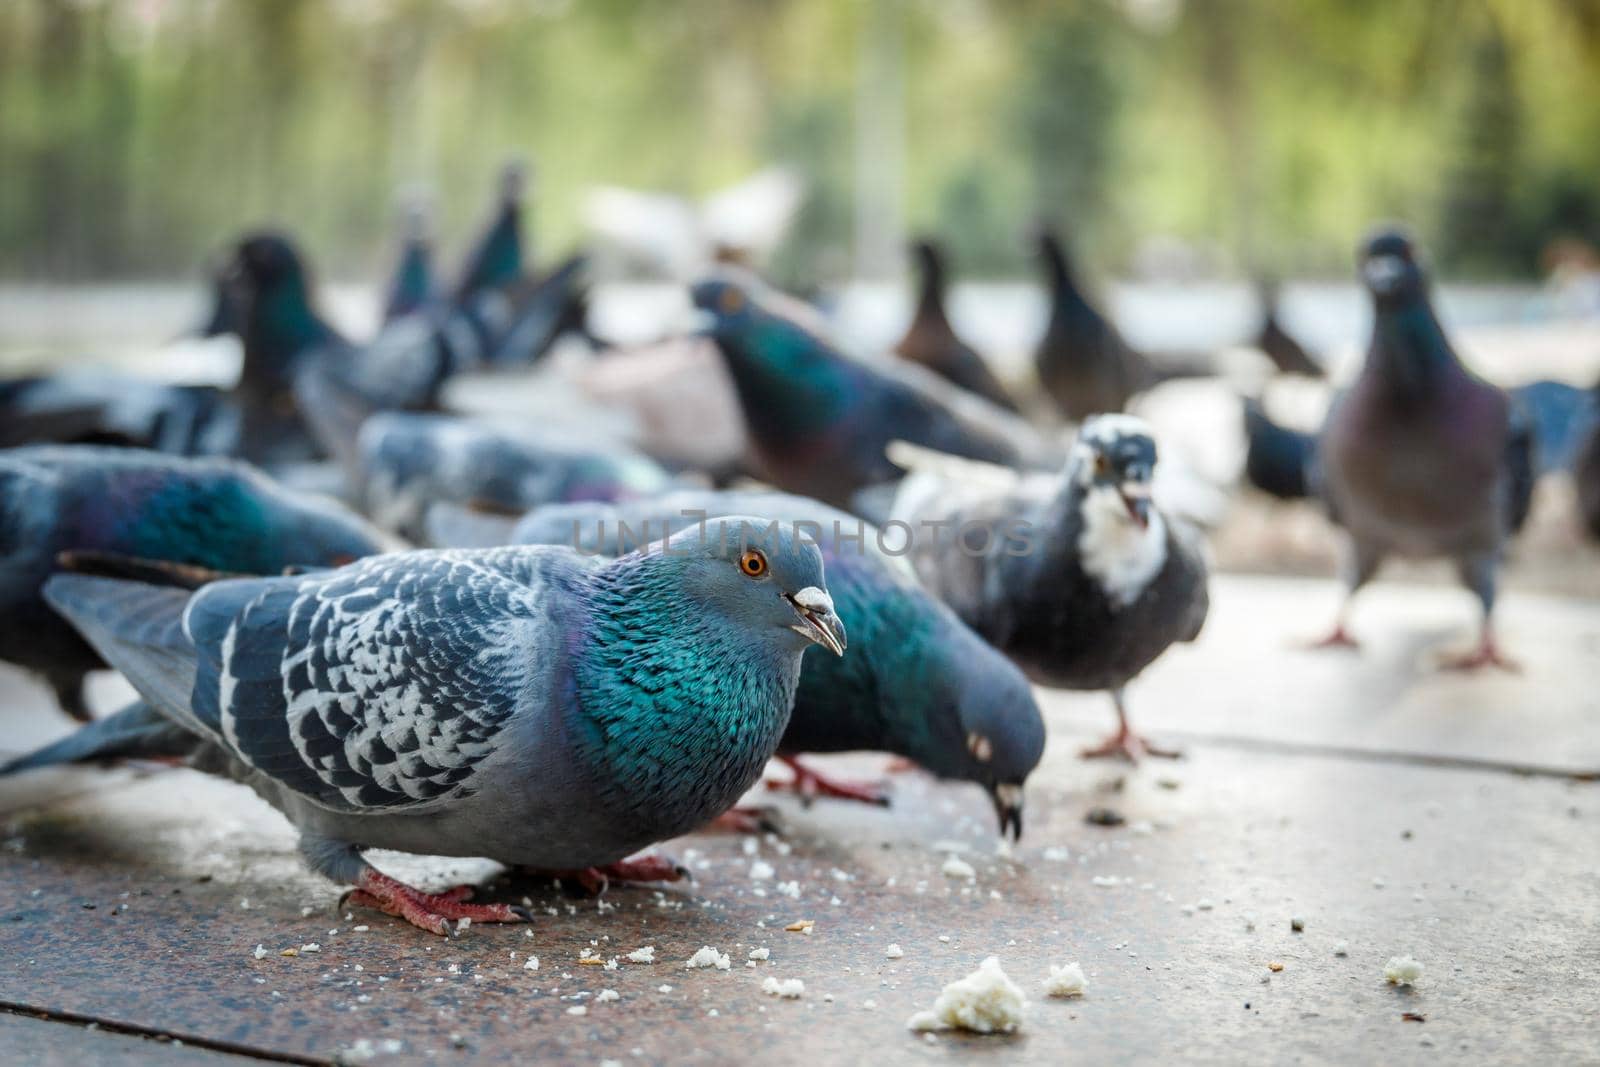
(817, 620)
(1136, 498)
(1383, 273)
(1007, 797)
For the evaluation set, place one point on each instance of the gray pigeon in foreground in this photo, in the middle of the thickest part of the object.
(1083, 584)
(1420, 457)
(524, 704)
(917, 682)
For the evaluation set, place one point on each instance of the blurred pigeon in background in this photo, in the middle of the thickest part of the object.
(819, 420)
(211, 513)
(931, 341)
(1275, 342)
(412, 287)
(1420, 457)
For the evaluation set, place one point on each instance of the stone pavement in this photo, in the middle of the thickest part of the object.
(1392, 808)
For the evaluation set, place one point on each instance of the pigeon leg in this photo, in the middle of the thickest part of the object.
(69, 695)
(1478, 574)
(1361, 563)
(809, 784)
(1125, 743)
(427, 911)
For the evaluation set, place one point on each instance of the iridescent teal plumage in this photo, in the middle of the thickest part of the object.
(217, 514)
(820, 420)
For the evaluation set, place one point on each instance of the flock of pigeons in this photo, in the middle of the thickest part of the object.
(603, 648)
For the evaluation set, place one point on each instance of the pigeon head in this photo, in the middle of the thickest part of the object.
(268, 260)
(1002, 729)
(515, 178)
(758, 576)
(1115, 458)
(227, 304)
(729, 303)
(1389, 266)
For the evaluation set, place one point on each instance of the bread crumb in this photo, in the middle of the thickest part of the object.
(1297, 924)
(762, 953)
(956, 867)
(532, 964)
(606, 995)
(894, 952)
(260, 953)
(642, 955)
(801, 925)
(709, 957)
(1274, 966)
(1341, 948)
(791, 988)
(1067, 981)
(985, 1002)
(577, 1009)
(312, 947)
(1402, 970)
(761, 871)
(789, 889)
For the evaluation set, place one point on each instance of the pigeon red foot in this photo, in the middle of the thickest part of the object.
(432, 912)
(1339, 638)
(1487, 654)
(1130, 746)
(810, 784)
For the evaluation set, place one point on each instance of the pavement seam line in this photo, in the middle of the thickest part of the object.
(152, 1033)
(1367, 755)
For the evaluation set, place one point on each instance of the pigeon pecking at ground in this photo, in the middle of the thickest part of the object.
(528, 704)
(1083, 582)
(931, 341)
(819, 420)
(917, 682)
(1420, 457)
(212, 513)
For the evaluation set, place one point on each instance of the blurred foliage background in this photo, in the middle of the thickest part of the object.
(1200, 137)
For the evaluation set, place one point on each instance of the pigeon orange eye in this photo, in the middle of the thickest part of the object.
(753, 563)
(730, 301)
(1102, 465)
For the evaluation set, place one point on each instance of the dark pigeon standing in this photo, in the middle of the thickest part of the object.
(1082, 361)
(916, 682)
(819, 421)
(1420, 457)
(214, 513)
(1083, 583)
(524, 704)
(1276, 343)
(932, 342)
(412, 288)
(497, 261)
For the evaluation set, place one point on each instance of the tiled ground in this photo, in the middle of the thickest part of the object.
(1392, 808)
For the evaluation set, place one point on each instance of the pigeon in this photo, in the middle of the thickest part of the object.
(96, 407)
(1276, 343)
(497, 260)
(1083, 583)
(819, 420)
(1082, 361)
(296, 366)
(1420, 457)
(411, 289)
(1278, 460)
(405, 461)
(526, 704)
(931, 341)
(917, 682)
(212, 513)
